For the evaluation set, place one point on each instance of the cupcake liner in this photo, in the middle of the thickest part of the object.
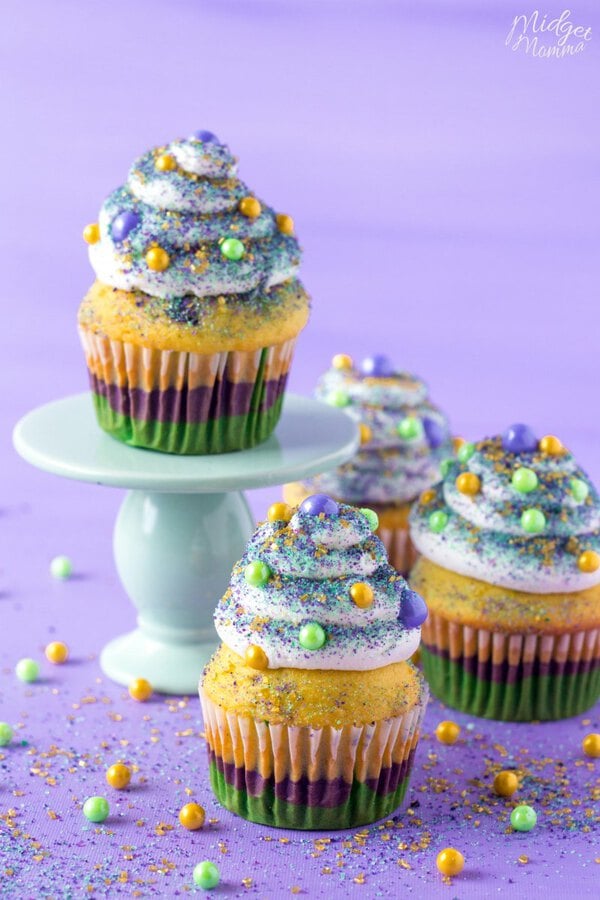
(183, 402)
(512, 677)
(310, 778)
(400, 549)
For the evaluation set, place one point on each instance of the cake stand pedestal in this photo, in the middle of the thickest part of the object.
(183, 523)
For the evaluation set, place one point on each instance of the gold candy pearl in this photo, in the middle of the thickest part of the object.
(165, 163)
(279, 512)
(552, 445)
(255, 657)
(506, 783)
(427, 497)
(457, 443)
(342, 361)
(447, 732)
(249, 206)
(365, 433)
(157, 259)
(362, 594)
(589, 561)
(91, 233)
(285, 223)
(468, 483)
(591, 745)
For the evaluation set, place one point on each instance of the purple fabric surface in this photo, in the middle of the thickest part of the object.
(446, 192)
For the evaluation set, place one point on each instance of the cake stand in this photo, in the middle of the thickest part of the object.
(183, 523)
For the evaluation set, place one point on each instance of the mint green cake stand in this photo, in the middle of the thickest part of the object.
(183, 523)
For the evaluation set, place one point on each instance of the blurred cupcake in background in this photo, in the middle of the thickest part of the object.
(404, 438)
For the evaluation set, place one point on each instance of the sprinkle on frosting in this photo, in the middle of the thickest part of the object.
(330, 601)
(532, 525)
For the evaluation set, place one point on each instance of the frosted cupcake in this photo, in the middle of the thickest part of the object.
(404, 437)
(510, 570)
(190, 327)
(311, 709)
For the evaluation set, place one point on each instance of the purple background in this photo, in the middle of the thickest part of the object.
(446, 193)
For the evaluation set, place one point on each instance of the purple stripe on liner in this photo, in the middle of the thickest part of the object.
(323, 792)
(198, 405)
(511, 674)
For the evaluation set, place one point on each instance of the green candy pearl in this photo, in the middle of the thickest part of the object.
(438, 521)
(312, 636)
(257, 574)
(96, 809)
(410, 428)
(233, 249)
(533, 521)
(206, 875)
(446, 465)
(523, 818)
(338, 398)
(524, 480)
(465, 452)
(27, 670)
(579, 489)
(61, 567)
(371, 516)
(6, 734)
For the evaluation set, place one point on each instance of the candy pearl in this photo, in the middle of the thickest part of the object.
(446, 465)
(447, 732)
(524, 480)
(91, 233)
(27, 670)
(365, 432)
(551, 445)
(519, 438)
(342, 361)
(311, 636)
(285, 223)
(465, 452)
(523, 818)
(6, 734)
(506, 783)
(256, 658)
(438, 521)
(371, 517)
(450, 861)
(250, 207)
(579, 489)
(589, 561)
(457, 443)
(318, 504)
(56, 652)
(427, 497)
(377, 366)
(257, 574)
(61, 567)
(165, 162)
(157, 259)
(96, 809)
(207, 137)
(206, 875)
(140, 689)
(413, 610)
(123, 224)
(192, 816)
(410, 428)
(591, 745)
(533, 521)
(468, 483)
(435, 433)
(338, 398)
(279, 512)
(118, 776)
(362, 594)
(232, 249)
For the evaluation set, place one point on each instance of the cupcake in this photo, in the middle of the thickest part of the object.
(510, 570)
(404, 437)
(311, 709)
(190, 326)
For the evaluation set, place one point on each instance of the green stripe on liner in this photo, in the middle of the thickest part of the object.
(362, 807)
(536, 698)
(220, 435)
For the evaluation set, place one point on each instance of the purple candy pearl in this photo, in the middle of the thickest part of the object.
(319, 503)
(207, 137)
(413, 610)
(519, 438)
(434, 432)
(123, 223)
(378, 366)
